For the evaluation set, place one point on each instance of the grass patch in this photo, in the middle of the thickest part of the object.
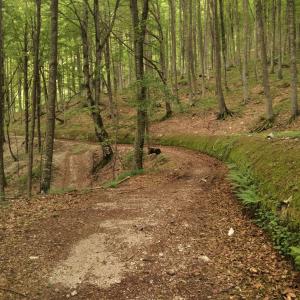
(287, 134)
(61, 191)
(36, 175)
(114, 183)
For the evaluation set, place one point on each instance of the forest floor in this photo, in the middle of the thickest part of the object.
(161, 235)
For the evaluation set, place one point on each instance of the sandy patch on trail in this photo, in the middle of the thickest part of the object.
(98, 259)
(89, 261)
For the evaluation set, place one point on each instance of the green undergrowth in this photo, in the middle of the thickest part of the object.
(123, 176)
(266, 175)
(247, 191)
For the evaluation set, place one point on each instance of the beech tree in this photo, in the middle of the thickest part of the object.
(49, 142)
(2, 176)
(36, 70)
(223, 110)
(293, 58)
(264, 60)
(139, 32)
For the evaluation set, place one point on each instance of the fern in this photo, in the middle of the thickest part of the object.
(295, 252)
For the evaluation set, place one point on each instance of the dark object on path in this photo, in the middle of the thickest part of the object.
(156, 151)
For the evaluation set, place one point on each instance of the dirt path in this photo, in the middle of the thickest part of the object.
(158, 236)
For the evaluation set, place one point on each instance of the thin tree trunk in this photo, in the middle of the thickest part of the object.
(273, 23)
(36, 47)
(26, 87)
(223, 111)
(38, 112)
(246, 48)
(139, 30)
(108, 80)
(201, 48)
(224, 46)
(279, 13)
(98, 52)
(100, 131)
(52, 95)
(263, 50)
(174, 48)
(2, 176)
(293, 50)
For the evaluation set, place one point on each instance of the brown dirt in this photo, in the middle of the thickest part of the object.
(245, 118)
(163, 235)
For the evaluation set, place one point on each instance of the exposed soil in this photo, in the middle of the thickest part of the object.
(163, 235)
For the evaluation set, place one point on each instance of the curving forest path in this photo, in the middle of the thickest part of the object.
(162, 235)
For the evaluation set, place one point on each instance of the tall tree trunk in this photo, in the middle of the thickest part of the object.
(273, 23)
(223, 39)
(139, 31)
(293, 50)
(38, 112)
(190, 53)
(279, 13)
(246, 48)
(223, 111)
(163, 58)
(238, 34)
(98, 52)
(100, 131)
(201, 47)
(264, 61)
(36, 49)
(26, 86)
(174, 48)
(2, 176)
(52, 94)
(108, 79)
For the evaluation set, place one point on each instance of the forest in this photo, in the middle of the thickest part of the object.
(149, 149)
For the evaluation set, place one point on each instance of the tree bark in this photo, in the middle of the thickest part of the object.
(174, 48)
(2, 176)
(36, 49)
(223, 39)
(264, 61)
(279, 71)
(52, 95)
(223, 111)
(26, 87)
(139, 31)
(293, 51)
(273, 24)
(101, 133)
(246, 48)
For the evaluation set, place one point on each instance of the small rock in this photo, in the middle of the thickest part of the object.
(253, 270)
(231, 232)
(161, 254)
(171, 272)
(33, 257)
(204, 258)
(74, 293)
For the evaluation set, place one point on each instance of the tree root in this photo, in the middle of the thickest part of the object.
(223, 116)
(263, 125)
(293, 118)
(167, 116)
(13, 292)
